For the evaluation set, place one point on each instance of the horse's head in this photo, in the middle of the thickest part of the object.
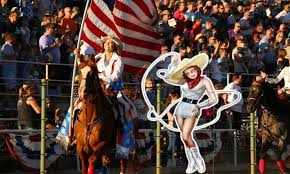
(256, 92)
(88, 79)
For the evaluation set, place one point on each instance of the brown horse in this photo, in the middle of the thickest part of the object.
(95, 122)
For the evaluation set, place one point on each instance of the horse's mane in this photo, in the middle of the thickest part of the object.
(95, 71)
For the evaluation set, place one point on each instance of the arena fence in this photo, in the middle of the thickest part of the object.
(232, 140)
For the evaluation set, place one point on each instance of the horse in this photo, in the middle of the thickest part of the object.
(274, 121)
(95, 122)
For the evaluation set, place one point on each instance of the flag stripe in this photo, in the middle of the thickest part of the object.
(144, 7)
(101, 29)
(126, 9)
(131, 21)
(89, 27)
(130, 18)
(121, 19)
(137, 10)
(124, 38)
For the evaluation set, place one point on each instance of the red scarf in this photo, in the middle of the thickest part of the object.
(192, 83)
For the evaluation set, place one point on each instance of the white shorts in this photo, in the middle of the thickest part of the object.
(185, 110)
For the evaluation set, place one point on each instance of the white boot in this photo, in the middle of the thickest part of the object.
(198, 160)
(191, 164)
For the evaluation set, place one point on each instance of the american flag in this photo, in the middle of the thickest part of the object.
(132, 21)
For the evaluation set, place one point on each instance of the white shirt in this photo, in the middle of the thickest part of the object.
(112, 71)
(284, 74)
(239, 106)
(283, 17)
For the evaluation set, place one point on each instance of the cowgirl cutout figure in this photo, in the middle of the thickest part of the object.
(193, 85)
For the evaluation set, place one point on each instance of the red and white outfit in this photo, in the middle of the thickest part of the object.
(112, 71)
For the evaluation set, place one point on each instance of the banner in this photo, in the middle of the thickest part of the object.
(25, 148)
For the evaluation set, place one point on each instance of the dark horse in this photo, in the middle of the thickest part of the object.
(274, 120)
(95, 122)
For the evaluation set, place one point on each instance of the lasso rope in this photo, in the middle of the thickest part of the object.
(162, 73)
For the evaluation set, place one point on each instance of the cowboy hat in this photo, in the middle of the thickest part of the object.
(199, 36)
(200, 60)
(116, 40)
(165, 12)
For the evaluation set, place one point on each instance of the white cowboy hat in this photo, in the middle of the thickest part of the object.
(200, 60)
(86, 49)
(116, 40)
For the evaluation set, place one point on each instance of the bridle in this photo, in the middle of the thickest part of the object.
(258, 98)
(89, 124)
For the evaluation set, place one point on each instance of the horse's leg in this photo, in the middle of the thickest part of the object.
(84, 162)
(92, 159)
(123, 166)
(266, 142)
(281, 147)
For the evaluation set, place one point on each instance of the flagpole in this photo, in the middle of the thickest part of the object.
(74, 70)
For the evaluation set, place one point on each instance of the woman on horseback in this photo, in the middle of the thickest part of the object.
(110, 67)
(284, 74)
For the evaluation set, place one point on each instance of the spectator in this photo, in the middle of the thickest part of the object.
(180, 17)
(142, 110)
(266, 47)
(27, 108)
(12, 25)
(49, 47)
(279, 41)
(24, 31)
(225, 64)
(177, 41)
(9, 68)
(246, 28)
(67, 23)
(26, 9)
(76, 15)
(4, 12)
(208, 30)
(166, 31)
(282, 62)
(241, 55)
(284, 15)
(50, 52)
(150, 91)
(59, 15)
(190, 13)
(196, 27)
(53, 114)
(287, 48)
(237, 108)
(234, 34)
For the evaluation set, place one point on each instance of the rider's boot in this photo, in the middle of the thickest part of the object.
(281, 166)
(262, 166)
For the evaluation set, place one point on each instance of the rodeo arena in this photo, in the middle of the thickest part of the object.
(144, 86)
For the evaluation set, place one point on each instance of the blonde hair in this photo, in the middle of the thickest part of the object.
(24, 90)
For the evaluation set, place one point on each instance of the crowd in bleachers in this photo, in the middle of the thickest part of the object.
(240, 36)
